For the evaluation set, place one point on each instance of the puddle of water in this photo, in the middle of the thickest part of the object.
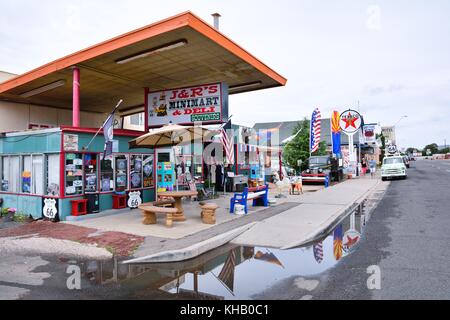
(227, 272)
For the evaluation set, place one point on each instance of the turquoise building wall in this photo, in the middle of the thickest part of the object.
(50, 142)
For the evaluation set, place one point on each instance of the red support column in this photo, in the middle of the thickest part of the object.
(76, 98)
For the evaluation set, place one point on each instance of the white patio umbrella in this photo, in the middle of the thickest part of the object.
(170, 135)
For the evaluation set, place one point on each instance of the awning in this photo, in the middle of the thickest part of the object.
(176, 52)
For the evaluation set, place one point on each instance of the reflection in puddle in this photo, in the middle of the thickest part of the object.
(229, 272)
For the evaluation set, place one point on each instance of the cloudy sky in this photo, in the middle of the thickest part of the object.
(393, 56)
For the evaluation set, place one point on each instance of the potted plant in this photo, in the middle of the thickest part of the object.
(8, 214)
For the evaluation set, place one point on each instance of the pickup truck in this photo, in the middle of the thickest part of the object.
(393, 167)
(320, 167)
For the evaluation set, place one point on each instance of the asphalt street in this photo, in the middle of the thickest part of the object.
(407, 237)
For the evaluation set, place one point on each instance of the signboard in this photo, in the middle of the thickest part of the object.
(350, 121)
(70, 142)
(351, 237)
(134, 199)
(203, 103)
(49, 209)
(392, 149)
(369, 133)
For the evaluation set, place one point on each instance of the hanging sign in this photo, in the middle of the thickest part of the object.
(49, 209)
(351, 237)
(369, 133)
(134, 199)
(70, 142)
(203, 103)
(392, 148)
(350, 121)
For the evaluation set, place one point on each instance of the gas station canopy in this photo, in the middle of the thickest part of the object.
(176, 52)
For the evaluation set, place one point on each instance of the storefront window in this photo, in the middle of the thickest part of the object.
(106, 174)
(90, 172)
(121, 173)
(147, 168)
(5, 173)
(136, 172)
(74, 174)
(38, 174)
(53, 170)
(14, 174)
(26, 174)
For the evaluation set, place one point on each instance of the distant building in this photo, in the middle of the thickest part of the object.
(389, 133)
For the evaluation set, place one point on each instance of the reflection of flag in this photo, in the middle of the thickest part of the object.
(315, 131)
(318, 251)
(227, 273)
(268, 257)
(337, 242)
(336, 133)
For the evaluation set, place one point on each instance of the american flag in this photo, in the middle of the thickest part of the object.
(318, 251)
(227, 273)
(228, 146)
(315, 130)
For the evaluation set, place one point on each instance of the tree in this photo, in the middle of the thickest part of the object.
(383, 146)
(434, 148)
(298, 148)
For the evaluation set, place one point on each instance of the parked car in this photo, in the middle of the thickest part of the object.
(320, 167)
(406, 161)
(393, 167)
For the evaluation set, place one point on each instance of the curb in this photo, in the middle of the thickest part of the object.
(192, 251)
(325, 230)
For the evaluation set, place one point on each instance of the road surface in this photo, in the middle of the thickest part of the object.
(407, 237)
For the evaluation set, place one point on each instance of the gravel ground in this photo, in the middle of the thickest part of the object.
(121, 244)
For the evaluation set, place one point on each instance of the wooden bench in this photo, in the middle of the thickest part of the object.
(208, 213)
(257, 194)
(149, 210)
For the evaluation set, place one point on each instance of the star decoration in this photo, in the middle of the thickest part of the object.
(352, 241)
(350, 121)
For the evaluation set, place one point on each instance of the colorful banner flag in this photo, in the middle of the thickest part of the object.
(337, 242)
(336, 133)
(108, 132)
(315, 131)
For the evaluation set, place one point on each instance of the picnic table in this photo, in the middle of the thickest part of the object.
(178, 196)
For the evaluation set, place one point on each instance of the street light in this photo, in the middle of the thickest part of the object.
(401, 118)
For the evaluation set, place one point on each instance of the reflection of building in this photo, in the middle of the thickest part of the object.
(389, 134)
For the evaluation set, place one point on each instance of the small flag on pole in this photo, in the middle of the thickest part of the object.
(337, 243)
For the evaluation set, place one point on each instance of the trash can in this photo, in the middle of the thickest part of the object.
(93, 205)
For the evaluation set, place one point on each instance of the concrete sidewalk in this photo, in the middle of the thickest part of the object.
(294, 222)
(316, 212)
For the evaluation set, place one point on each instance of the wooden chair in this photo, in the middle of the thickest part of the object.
(150, 210)
(208, 213)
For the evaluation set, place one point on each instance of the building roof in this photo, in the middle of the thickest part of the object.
(179, 51)
(286, 130)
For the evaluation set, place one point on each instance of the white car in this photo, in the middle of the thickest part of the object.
(393, 167)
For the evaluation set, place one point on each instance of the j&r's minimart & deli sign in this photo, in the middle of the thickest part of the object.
(203, 103)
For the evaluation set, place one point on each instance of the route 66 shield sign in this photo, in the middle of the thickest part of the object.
(134, 199)
(49, 210)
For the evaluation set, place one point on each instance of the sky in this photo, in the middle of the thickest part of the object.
(391, 56)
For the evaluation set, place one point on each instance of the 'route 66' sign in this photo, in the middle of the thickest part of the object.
(392, 149)
(49, 210)
(134, 199)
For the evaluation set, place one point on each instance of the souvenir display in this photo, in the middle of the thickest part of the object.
(121, 173)
(90, 173)
(74, 174)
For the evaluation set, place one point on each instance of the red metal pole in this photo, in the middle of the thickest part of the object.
(281, 165)
(76, 98)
